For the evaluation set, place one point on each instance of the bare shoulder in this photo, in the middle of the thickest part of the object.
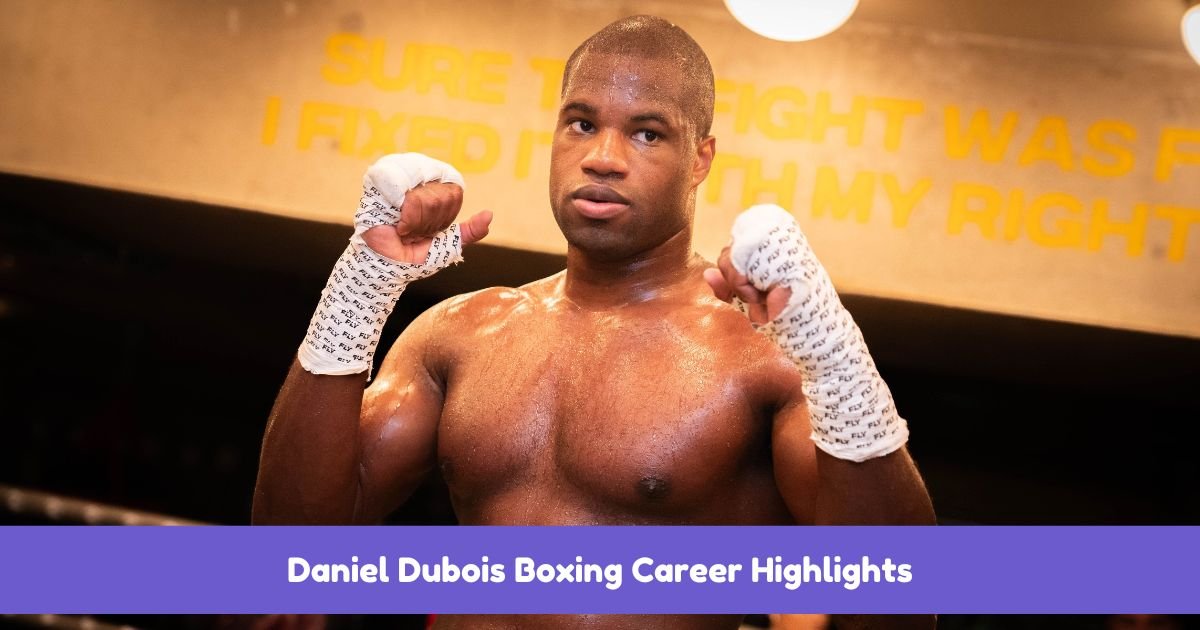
(768, 374)
(484, 306)
(444, 328)
(433, 342)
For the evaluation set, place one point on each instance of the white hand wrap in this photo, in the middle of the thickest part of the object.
(364, 286)
(853, 416)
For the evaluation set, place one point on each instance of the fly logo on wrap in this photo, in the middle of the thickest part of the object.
(364, 286)
(853, 415)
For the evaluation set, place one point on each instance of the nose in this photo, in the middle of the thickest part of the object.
(606, 156)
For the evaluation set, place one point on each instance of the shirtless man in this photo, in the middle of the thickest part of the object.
(625, 390)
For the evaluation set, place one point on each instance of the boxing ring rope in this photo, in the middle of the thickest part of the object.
(62, 622)
(66, 510)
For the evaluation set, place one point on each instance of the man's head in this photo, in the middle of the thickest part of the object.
(655, 39)
(631, 143)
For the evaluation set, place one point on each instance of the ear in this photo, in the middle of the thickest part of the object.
(705, 150)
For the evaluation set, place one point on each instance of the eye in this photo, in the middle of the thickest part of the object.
(646, 135)
(581, 126)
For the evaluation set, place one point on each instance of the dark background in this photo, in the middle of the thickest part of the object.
(144, 340)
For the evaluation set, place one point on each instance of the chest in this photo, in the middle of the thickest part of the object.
(627, 416)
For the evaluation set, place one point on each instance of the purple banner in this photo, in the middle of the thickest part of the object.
(114, 570)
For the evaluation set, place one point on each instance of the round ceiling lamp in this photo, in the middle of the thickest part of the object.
(794, 20)
(1191, 31)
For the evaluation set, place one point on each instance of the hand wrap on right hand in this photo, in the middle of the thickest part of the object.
(364, 286)
(853, 415)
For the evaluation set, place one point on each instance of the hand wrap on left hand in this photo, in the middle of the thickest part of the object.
(853, 415)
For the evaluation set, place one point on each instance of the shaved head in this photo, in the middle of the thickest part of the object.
(653, 38)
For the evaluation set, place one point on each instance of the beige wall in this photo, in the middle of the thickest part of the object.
(1053, 180)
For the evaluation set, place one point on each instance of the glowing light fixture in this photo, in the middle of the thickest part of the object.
(792, 20)
(1191, 30)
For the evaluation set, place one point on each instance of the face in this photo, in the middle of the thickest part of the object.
(625, 161)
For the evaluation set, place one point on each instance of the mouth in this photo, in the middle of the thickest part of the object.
(598, 202)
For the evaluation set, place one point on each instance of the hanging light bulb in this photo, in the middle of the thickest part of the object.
(793, 20)
(1191, 30)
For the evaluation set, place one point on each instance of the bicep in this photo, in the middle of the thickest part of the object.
(398, 427)
(795, 458)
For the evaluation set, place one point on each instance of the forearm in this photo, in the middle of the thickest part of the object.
(308, 470)
(881, 491)
(864, 473)
(312, 468)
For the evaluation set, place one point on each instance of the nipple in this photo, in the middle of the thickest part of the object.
(653, 488)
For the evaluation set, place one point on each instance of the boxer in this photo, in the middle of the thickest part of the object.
(624, 390)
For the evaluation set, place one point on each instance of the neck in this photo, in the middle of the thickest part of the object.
(649, 275)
